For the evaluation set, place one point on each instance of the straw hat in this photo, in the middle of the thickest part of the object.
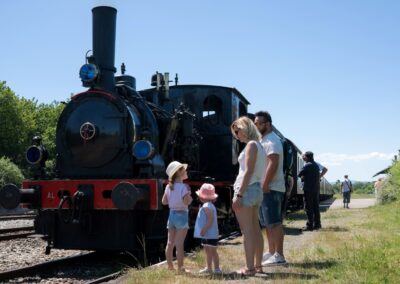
(173, 167)
(207, 191)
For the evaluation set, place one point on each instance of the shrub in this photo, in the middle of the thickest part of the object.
(391, 187)
(9, 173)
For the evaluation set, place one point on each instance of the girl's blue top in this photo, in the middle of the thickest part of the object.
(201, 220)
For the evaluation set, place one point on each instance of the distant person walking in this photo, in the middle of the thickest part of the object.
(310, 175)
(378, 186)
(274, 191)
(347, 188)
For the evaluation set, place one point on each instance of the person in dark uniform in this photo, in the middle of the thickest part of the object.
(310, 175)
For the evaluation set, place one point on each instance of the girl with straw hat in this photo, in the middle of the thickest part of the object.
(177, 196)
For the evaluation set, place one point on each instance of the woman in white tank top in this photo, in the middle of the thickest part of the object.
(248, 193)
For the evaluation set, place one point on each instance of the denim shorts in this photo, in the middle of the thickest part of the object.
(178, 220)
(271, 209)
(252, 196)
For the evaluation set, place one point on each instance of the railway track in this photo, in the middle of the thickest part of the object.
(89, 267)
(44, 267)
(17, 217)
(15, 233)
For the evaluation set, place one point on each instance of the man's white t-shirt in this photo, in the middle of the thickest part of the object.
(273, 145)
(321, 167)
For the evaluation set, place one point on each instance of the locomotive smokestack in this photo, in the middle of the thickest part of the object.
(104, 22)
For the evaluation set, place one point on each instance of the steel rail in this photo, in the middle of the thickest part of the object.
(42, 267)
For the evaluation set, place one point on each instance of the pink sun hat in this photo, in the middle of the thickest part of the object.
(207, 191)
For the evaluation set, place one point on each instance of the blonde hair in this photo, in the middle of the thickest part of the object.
(172, 179)
(247, 126)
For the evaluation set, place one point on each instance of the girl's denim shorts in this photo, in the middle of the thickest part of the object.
(178, 220)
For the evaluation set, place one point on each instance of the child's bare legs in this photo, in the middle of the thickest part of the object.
(209, 257)
(215, 257)
(170, 247)
(179, 241)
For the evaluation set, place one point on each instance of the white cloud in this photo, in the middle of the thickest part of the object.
(334, 159)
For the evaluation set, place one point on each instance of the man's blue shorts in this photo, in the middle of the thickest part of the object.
(271, 209)
(178, 220)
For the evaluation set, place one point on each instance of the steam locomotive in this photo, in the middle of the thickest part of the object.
(113, 144)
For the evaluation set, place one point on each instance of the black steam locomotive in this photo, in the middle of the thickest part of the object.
(113, 144)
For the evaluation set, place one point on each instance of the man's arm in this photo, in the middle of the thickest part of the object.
(323, 172)
(273, 162)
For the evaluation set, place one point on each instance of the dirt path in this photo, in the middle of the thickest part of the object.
(354, 203)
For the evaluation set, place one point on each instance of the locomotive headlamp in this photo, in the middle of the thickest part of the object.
(34, 155)
(143, 149)
(88, 73)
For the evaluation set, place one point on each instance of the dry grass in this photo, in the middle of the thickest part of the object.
(335, 254)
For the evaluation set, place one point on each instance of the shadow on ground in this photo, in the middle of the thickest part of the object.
(230, 244)
(292, 231)
(333, 229)
(264, 276)
(314, 264)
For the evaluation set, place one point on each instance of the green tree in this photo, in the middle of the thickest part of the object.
(363, 187)
(20, 120)
(11, 124)
(336, 186)
(9, 173)
(46, 123)
(391, 186)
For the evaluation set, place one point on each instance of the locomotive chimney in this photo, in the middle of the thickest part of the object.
(104, 22)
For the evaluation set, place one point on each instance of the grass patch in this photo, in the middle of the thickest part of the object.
(354, 246)
(365, 250)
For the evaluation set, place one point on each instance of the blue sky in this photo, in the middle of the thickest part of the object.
(327, 71)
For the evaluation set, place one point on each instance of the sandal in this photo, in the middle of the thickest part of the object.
(183, 270)
(246, 272)
(258, 269)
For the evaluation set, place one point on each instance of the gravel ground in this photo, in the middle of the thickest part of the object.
(28, 251)
(16, 223)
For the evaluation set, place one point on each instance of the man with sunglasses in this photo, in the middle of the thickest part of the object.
(274, 190)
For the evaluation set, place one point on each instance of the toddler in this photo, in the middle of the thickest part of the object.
(206, 227)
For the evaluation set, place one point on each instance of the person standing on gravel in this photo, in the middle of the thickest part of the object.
(347, 188)
(310, 176)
